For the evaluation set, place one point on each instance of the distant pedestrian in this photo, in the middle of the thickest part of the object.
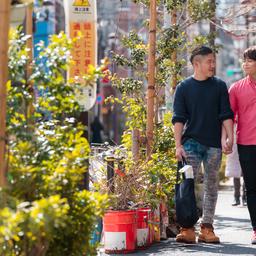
(237, 193)
(96, 128)
(201, 107)
(243, 103)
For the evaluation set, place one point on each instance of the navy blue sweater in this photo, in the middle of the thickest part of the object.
(202, 106)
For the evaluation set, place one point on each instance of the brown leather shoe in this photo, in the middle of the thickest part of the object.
(207, 235)
(186, 235)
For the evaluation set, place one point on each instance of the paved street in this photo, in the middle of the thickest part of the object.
(232, 225)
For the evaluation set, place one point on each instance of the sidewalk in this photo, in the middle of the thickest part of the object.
(227, 185)
(232, 225)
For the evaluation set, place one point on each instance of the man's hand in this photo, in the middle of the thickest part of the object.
(227, 145)
(227, 136)
(180, 153)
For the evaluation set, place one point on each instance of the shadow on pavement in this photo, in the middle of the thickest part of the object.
(235, 224)
(171, 247)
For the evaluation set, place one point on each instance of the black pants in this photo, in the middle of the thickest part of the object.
(237, 187)
(247, 157)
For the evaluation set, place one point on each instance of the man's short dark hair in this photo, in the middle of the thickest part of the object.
(250, 53)
(200, 50)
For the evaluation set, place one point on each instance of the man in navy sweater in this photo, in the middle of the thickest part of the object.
(201, 110)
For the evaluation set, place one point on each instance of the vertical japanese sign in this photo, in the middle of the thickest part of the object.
(81, 18)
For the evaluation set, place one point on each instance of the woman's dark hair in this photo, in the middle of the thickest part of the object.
(250, 53)
(200, 50)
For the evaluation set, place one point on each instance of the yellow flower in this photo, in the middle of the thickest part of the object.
(91, 69)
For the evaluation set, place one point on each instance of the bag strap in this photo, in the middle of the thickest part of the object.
(179, 166)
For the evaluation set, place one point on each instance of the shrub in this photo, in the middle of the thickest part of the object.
(45, 210)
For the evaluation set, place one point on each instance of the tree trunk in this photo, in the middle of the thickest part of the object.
(135, 144)
(213, 26)
(4, 29)
(29, 31)
(151, 77)
(174, 54)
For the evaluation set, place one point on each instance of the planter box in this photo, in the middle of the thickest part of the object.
(120, 231)
(143, 230)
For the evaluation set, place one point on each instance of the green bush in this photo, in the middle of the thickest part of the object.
(44, 209)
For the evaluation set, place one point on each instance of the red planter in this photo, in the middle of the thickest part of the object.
(120, 231)
(154, 226)
(151, 227)
(143, 231)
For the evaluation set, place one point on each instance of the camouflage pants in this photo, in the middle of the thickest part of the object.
(211, 159)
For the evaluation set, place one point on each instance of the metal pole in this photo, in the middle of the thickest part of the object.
(84, 119)
(110, 174)
(151, 77)
(4, 29)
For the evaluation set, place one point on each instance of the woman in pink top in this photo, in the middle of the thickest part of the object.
(242, 95)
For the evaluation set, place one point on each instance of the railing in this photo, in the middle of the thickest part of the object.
(107, 157)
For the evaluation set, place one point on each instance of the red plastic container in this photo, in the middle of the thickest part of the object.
(151, 227)
(120, 231)
(143, 232)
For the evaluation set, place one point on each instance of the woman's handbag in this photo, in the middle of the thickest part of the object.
(185, 201)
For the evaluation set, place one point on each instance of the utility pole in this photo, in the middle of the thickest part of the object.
(4, 29)
(151, 78)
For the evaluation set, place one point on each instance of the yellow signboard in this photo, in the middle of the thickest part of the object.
(84, 48)
(81, 19)
(81, 3)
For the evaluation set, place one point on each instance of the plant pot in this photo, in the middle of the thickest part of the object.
(96, 234)
(151, 227)
(120, 231)
(156, 223)
(154, 227)
(143, 232)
